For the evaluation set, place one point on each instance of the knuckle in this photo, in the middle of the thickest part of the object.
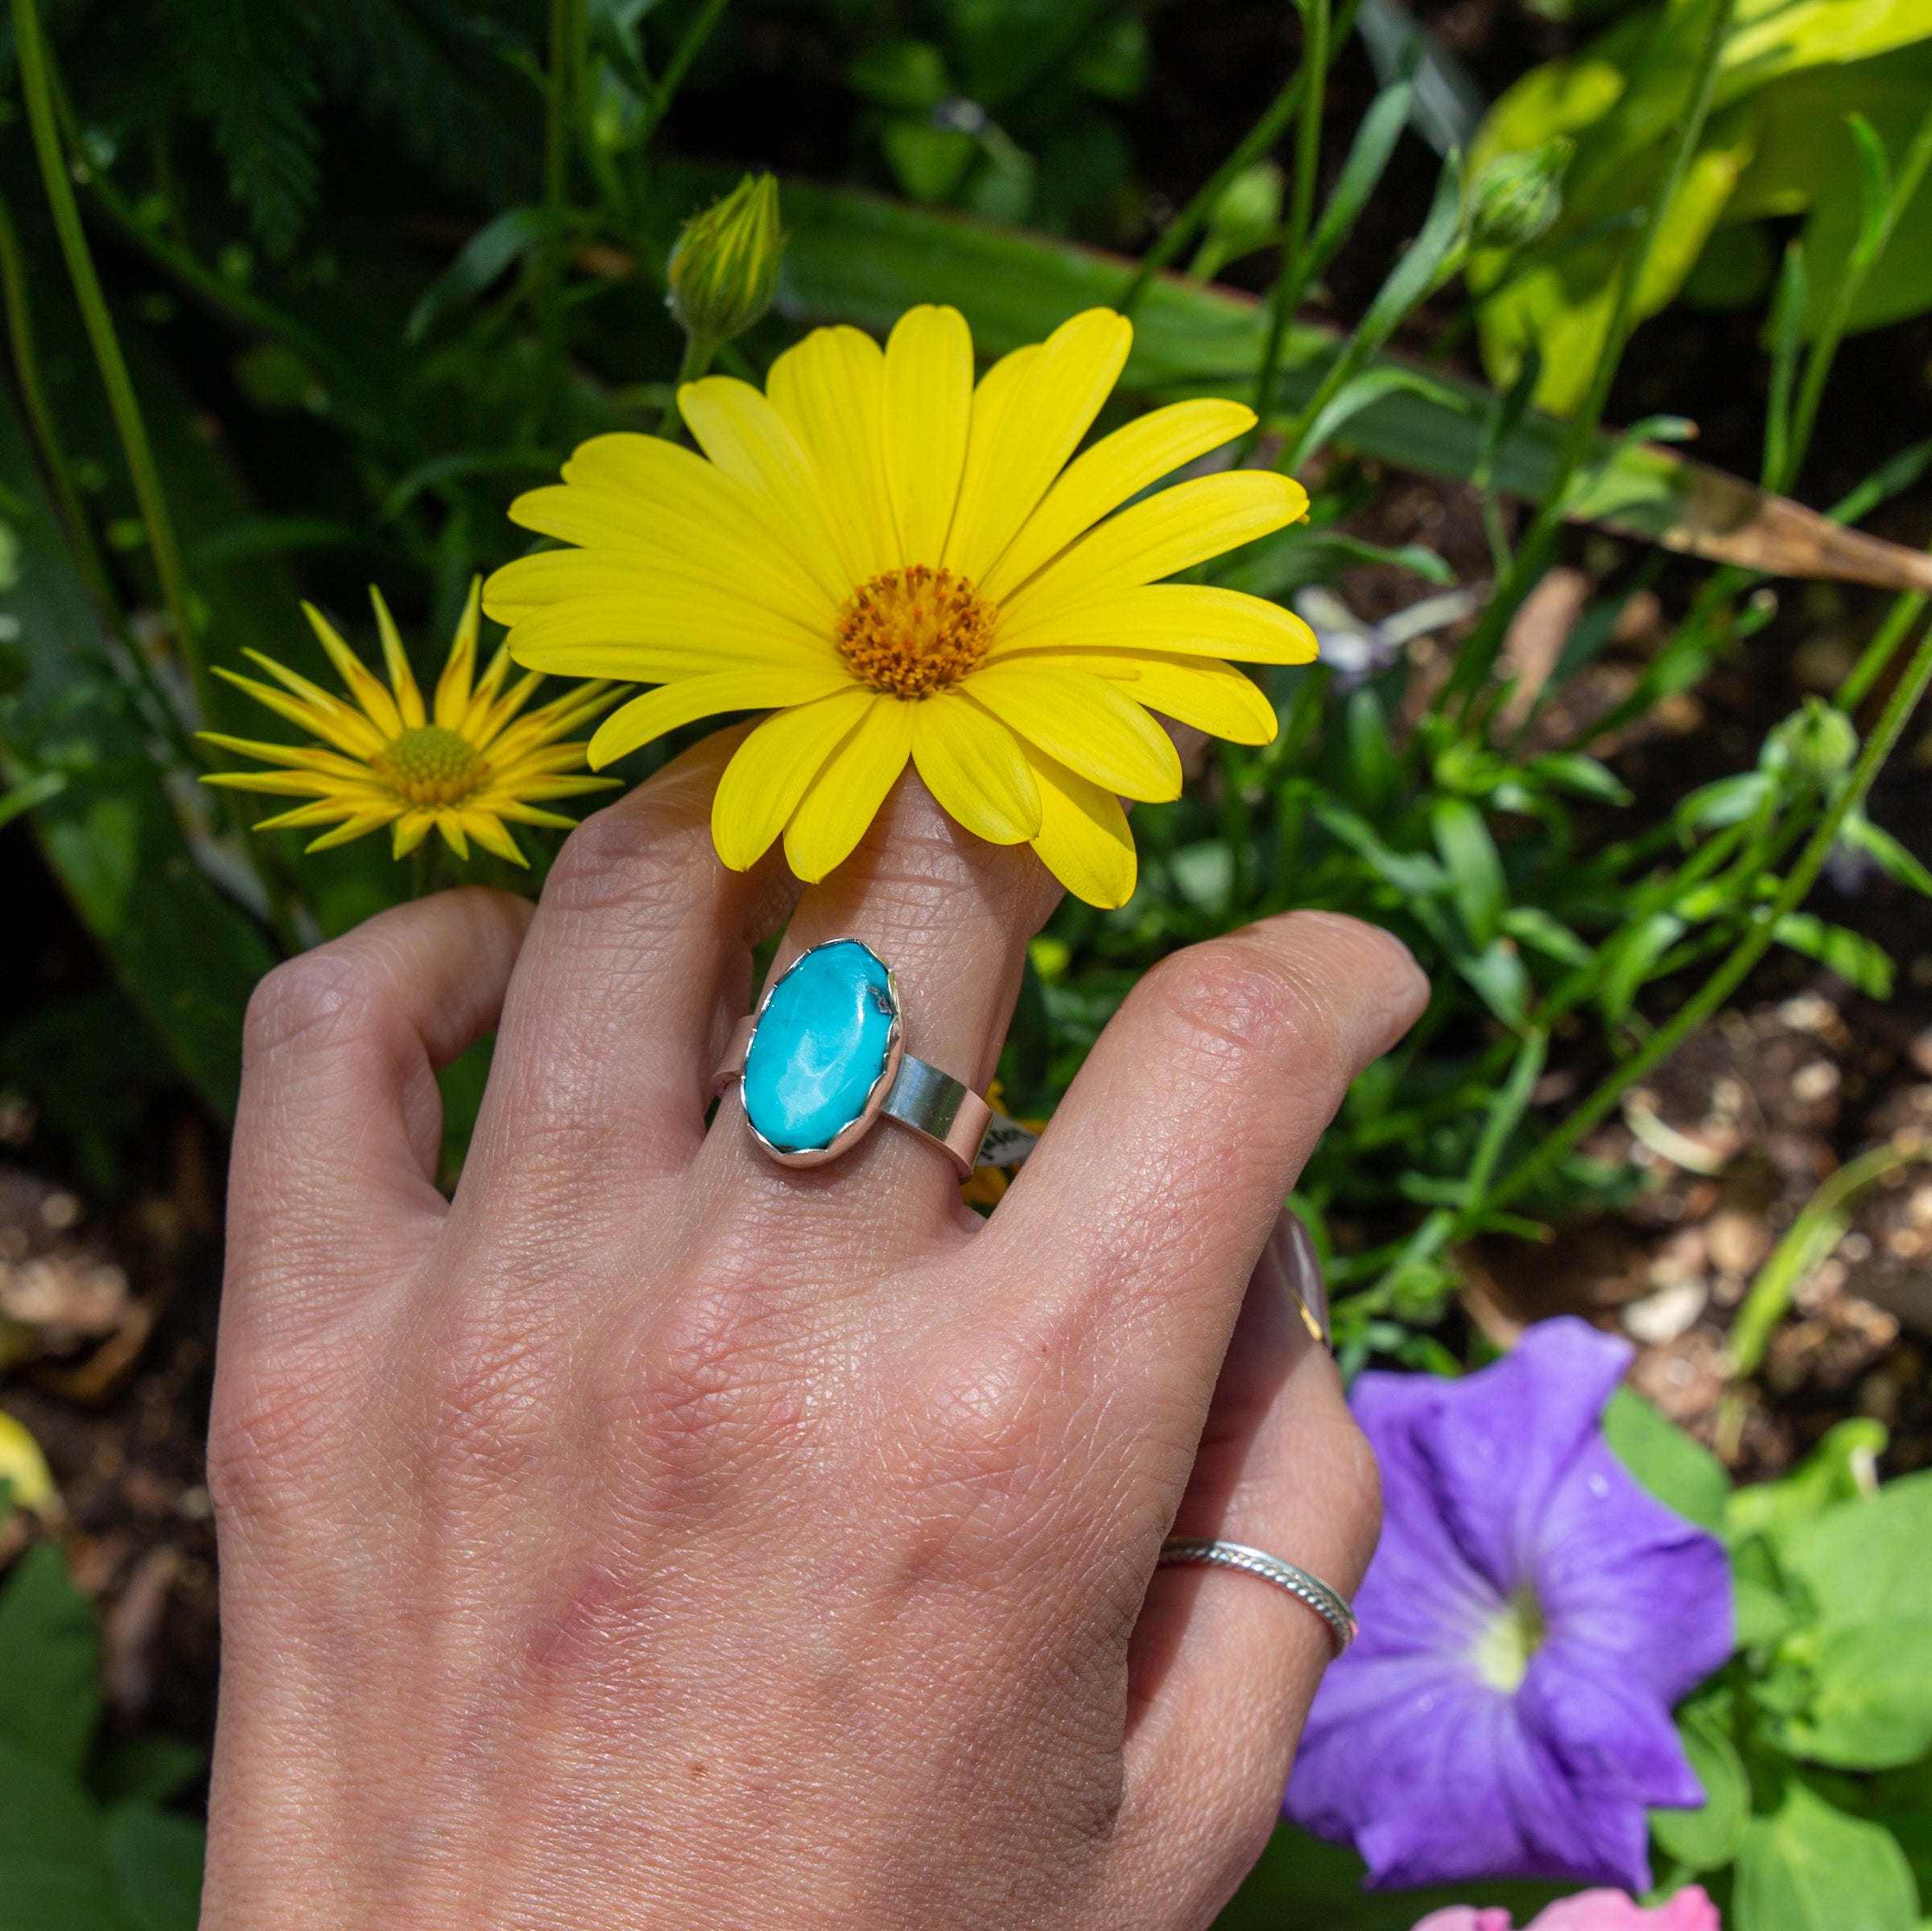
(651, 842)
(996, 1465)
(1235, 997)
(314, 999)
(269, 1436)
(700, 1397)
(492, 1389)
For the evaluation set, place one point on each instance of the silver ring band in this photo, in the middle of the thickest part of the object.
(1192, 1551)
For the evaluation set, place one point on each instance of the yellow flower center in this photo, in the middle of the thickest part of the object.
(429, 765)
(1503, 1650)
(914, 631)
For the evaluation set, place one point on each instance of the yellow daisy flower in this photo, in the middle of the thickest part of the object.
(461, 768)
(899, 564)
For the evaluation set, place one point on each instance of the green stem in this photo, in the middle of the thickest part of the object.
(1865, 256)
(1285, 295)
(1731, 974)
(1533, 554)
(46, 425)
(1193, 218)
(560, 104)
(686, 54)
(1812, 1235)
(1873, 660)
(31, 52)
(698, 353)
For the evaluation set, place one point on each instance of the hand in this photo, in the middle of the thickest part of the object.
(655, 1536)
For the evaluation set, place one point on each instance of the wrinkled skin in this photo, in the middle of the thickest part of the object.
(656, 1535)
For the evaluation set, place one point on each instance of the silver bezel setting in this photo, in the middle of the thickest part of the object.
(855, 1130)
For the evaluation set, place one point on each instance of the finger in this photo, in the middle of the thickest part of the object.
(339, 1122)
(638, 960)
(1131, 1231)
(951, 915)
(1223, 1666)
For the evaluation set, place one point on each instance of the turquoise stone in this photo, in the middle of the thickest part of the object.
(820, 1047)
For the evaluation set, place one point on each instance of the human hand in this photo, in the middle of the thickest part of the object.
(655, 1535)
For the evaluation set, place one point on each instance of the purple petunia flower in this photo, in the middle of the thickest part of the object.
(1529, 1618)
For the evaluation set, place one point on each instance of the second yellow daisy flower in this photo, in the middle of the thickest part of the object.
(897, 565)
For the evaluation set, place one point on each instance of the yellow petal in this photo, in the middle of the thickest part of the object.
(451, 825)
(276, 784)
(299, 758)
(402, 679)
(691, 698)
(1213, 697)
(328, 717)
(357, 827)
(452, 687)
(972, 764)
(671, 508)
(928, 411)
(1171, 531)
(1037, 425)
(1119, 466)
(1082, 721)
(363, 686)
(1194, 618)
(487, 832)
(327, 811)
(845, 796)
(410, 830)
(769, 772)
(30, 1482)
(625, 637)
(1083, 840)
(830, 389)
(755, 448)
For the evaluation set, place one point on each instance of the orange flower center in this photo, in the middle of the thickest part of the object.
(430, 765)
(913, 631)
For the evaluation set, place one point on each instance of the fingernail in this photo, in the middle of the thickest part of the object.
(1302, 1268)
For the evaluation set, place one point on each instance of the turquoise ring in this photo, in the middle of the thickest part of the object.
(823, 1060)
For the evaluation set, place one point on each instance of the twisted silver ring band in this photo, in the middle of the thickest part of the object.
(1192, 1551)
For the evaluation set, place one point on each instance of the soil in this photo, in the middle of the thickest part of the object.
(111, 1176)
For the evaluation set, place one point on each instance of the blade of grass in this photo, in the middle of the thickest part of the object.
(31, 51)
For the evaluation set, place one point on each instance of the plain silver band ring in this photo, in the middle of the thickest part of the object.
(1180, 1552)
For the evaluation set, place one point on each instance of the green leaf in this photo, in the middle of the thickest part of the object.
(1476, 869)
(1535, 928)
(1682, 1473)
(1868, 1561)
(1499, 977)
(497, 245)
(1843, 1467)
(1631, 957)
(54, 1870)
(1362, 392)
(1759, 1614)
(145, 1769)
(1577, 773)
(1707, 1839)
(1856, 960)
(50, 1696)
(1871, 1707)
(156, 1861)
(1729, 800)
(1860, 834)
(1812, 1868)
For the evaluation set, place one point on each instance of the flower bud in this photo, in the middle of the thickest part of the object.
(1516, 198)
(723, 270)
(1816, 743)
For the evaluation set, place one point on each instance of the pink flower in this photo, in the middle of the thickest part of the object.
(1689, 1910)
